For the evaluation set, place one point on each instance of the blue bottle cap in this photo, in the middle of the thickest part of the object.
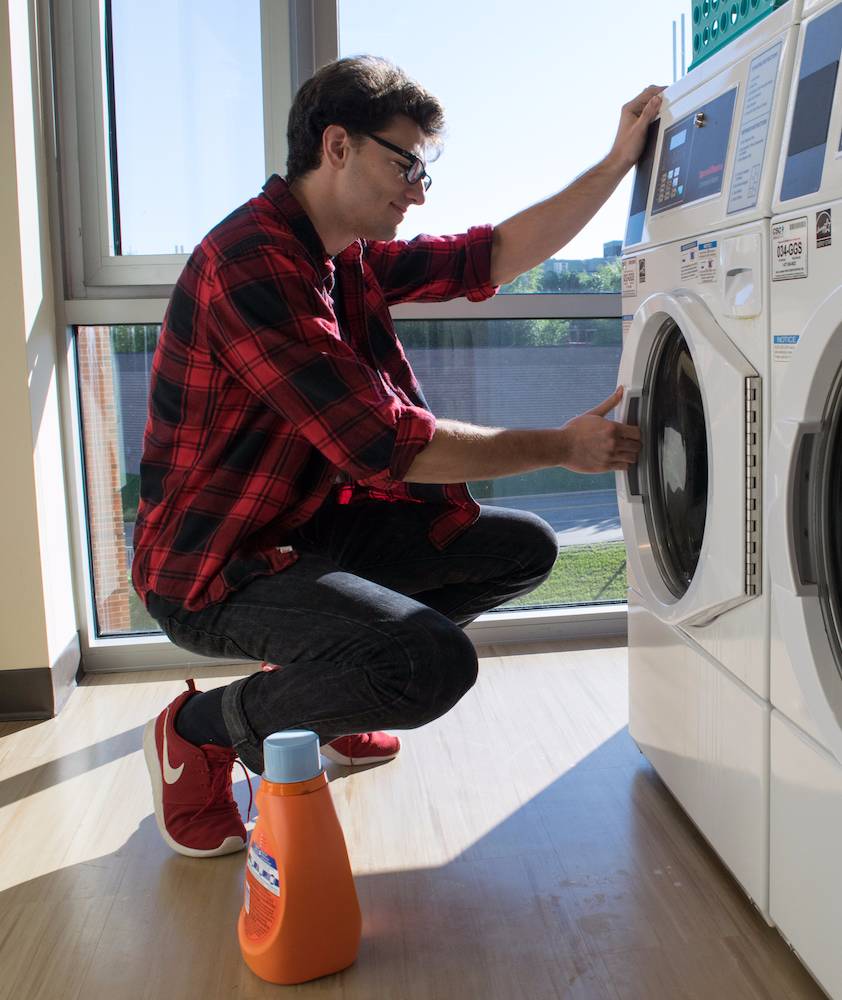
(292, 755)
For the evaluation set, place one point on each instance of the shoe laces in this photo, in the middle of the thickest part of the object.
(220, 761)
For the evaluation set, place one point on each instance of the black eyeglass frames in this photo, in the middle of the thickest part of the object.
(416, 171)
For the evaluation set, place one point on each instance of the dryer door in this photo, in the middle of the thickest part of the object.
(805, 516)
(688, 508)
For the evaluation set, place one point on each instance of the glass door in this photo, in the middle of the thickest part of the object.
(674, 432)
(826, 511)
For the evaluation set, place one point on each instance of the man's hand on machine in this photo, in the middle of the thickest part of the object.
(594, 443)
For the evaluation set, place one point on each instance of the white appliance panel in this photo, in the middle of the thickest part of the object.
(707, 736)
(805, 889)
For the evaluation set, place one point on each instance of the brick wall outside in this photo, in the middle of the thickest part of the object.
(101, 442)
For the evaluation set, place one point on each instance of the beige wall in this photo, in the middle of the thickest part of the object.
(37, 616)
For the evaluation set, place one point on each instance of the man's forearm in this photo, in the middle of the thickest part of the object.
(460, 452)
(530, 237)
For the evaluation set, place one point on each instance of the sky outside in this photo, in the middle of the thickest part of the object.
(532, 94)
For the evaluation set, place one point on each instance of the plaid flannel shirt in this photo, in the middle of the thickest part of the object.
(261, 399)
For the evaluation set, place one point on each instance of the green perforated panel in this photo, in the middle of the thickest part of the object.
(716, 22)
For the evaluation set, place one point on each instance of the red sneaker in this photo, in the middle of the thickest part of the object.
(361, 748)
(191, 788)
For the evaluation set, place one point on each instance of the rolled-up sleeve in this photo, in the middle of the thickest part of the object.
(434, 268)
(278, 337)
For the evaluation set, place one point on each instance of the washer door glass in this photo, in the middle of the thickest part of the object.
(674, 432)
(829, 555)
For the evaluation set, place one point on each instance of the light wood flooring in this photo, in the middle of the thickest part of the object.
(518, 849)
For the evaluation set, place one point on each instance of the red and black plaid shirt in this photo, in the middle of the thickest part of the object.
(261, 398)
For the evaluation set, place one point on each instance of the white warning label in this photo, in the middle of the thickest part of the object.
(630, 277)
(689, 260)
(789, 249)
(708, 261)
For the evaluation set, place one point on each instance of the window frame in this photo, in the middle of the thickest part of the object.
(100, 289)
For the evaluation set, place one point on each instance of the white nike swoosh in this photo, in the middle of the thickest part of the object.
(171, 774)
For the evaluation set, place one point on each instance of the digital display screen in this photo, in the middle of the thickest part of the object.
(678, 139)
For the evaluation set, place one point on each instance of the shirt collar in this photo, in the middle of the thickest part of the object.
(277, 191)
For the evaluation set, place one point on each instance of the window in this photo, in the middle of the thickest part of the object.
(174, 121)
(532, 101)
(534, 373)
(171, 113)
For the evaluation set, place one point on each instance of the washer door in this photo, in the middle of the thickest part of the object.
(689, 508)
(805, 517)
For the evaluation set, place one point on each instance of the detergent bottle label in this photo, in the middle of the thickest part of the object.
(262, 888)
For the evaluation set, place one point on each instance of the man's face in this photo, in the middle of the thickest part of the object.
(376, 190)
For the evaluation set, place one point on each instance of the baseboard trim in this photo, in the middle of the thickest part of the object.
(40, 692)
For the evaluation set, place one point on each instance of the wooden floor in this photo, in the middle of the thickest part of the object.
(520, 848)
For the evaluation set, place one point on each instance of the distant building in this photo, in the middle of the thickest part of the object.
(614, 248)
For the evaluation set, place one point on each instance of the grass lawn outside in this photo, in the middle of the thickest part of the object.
(583, 574)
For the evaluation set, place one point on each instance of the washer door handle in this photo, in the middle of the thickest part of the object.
(631, 415)
(802, 530)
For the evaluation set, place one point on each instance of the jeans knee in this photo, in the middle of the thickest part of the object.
(539, 545)
(443, 673)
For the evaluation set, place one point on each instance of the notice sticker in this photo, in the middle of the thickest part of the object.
(708, 261)
(689, 261)
(627, 322)
(824, 231)
(789, 249)
(783, 346)
(630, 277)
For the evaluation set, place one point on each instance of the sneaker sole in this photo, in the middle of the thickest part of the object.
(150, 754)
(340, 758)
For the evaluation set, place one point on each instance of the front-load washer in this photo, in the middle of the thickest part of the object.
(804, 485)
(695, 369)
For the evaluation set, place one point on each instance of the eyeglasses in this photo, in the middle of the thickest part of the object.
(416, 171)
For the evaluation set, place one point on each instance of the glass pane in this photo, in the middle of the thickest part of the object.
(830, 537)
(114, 363)
(534, 373)
(532, 97)
(473, 371)
(676, 433)
(187, 118)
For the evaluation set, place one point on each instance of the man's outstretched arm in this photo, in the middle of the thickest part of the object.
(533, 235)
(588, 443)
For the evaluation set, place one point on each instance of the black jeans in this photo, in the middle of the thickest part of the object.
(367, 625)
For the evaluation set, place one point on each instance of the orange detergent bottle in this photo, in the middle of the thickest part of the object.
(300, 917)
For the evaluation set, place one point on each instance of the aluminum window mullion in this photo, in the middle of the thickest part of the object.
(276, 70)
(535, 305)
(96, 192)
(314, 32)
(93, 312)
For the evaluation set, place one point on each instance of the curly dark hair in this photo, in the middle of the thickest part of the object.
(363, 94)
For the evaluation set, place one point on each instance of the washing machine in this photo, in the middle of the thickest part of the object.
(695, 365)
(804, 486)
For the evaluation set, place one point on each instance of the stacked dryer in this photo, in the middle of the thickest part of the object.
(805, 492)
(695, 365)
